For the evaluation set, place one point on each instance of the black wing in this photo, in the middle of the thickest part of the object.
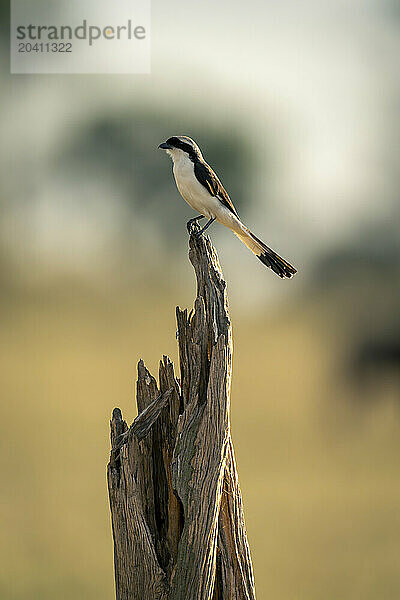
(206, 176)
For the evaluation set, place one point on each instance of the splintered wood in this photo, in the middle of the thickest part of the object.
(176, 506)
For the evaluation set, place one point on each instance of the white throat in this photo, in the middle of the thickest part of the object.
(180, 159)
(176, 154)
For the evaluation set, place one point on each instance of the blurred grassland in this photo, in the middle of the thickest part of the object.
(318, 470)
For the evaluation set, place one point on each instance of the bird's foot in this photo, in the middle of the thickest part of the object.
(199, 232)
(193, 227)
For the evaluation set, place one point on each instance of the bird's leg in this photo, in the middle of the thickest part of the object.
(199, 233)
(189, 224)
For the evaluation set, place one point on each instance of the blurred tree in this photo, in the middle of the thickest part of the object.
(122, 149)
(359, 283)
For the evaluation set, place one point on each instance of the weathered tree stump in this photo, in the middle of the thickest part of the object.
(176, 505)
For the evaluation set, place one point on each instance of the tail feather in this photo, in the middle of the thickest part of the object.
(266, 255)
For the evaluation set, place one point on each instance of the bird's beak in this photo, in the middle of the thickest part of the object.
(165, 146)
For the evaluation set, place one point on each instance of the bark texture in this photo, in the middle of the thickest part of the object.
(176, 506)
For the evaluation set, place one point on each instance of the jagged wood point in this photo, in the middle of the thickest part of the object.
(176, 506)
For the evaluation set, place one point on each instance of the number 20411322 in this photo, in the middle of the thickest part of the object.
(44, 47)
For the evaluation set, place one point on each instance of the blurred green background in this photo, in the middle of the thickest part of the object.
(296, 105)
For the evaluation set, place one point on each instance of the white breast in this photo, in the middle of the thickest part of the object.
(197, 196)
(190, 189)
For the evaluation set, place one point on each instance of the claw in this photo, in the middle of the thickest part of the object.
(200, 232)
(192, 226)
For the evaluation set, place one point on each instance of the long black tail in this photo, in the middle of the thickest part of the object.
(267, 256)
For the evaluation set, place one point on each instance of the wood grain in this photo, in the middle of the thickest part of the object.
(176, 506)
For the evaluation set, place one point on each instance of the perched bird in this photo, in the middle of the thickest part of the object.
(200, 187)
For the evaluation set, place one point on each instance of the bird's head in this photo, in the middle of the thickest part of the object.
(181, 146)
